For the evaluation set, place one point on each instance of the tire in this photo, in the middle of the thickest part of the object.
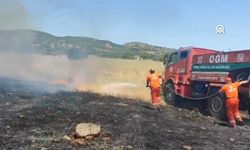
(248, 110)
(243, 105)
(217, 107)
(169, 94)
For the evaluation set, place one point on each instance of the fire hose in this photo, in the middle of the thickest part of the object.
(194, 98)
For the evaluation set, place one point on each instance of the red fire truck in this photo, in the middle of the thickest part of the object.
(198, 72)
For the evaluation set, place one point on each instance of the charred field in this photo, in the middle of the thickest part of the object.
(33, 118)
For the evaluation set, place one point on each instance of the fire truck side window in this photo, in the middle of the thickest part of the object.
(173, 58)
(184, 55)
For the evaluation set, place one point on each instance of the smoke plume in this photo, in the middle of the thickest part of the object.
(13, 15)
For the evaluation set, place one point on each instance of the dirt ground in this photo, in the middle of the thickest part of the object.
(32, 118)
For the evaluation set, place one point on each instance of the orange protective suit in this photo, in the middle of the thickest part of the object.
(232, 102)
(155, 84)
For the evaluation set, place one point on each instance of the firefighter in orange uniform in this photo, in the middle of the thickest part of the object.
(154, 82)
(232, 100)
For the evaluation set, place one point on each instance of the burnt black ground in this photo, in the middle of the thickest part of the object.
(32, 119)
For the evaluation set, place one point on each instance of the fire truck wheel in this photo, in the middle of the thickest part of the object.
(169, 94)
(248, 109)
(217, 107)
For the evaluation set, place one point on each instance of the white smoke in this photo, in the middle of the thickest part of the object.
(13, 15)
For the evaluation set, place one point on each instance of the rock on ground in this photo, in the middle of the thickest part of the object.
(85, 129)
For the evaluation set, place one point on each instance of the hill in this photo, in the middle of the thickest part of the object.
(75, 47)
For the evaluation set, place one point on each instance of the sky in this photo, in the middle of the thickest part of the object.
(168, 23)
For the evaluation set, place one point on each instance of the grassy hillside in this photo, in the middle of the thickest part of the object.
(76, 47)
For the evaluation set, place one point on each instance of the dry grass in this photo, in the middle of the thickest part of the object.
(118, 77)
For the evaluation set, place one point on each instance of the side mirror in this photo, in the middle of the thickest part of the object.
(165, 59)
